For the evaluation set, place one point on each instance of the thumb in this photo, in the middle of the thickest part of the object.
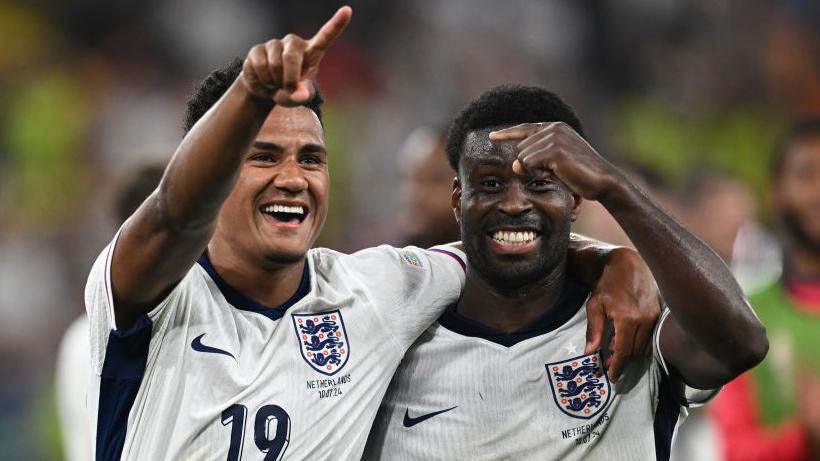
(304, 91)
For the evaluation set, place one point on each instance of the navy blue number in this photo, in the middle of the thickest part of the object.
(272, 431)
(235, 415)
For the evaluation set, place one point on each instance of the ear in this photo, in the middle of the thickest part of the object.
(455, 199)
(576, 207)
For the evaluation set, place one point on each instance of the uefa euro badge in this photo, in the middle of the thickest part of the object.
(579, 386)
(410, 258)
(322, 340)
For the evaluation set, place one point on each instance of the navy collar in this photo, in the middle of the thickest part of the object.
(242, 302)
(573, 297)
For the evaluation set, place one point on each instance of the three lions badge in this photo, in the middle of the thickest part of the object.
(579, 386)
(322, 340)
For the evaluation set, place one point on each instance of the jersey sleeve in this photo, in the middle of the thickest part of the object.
(691, 397)
(410, 287)
(99, 303)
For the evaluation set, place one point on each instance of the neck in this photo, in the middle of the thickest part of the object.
(510, 310)
(803, 263)
(269, 283)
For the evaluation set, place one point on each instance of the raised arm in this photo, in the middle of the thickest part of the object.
(162, 240)
(712, 335)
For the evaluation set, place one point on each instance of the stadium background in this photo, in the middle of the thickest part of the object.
(687, 95)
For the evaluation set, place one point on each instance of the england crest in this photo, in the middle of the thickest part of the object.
(322, 340)
(579, 386)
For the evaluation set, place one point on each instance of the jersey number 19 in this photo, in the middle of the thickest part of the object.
(271, 420)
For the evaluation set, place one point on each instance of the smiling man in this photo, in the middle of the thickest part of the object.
(501, 375)
(217, 332)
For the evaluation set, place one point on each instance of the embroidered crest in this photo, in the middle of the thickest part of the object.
(322, 340)
(579, 386)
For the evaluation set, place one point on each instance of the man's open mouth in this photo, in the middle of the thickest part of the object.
(285, 214)
(514, 237)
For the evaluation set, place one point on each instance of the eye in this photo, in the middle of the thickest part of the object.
(541, 184)
(490, 184)
(312, 160)
(262, 157)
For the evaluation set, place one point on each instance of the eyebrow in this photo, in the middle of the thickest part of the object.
(312, 148)
(271, 146)
(267, 146)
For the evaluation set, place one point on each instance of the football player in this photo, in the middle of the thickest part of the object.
(502, 374)
(217, 332)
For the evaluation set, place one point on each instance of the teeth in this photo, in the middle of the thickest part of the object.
(513, 238)
(284, 209)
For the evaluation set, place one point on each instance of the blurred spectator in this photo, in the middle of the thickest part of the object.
(722, 211)
(73, 367)
(427, 182)
(716, 206)
(773, 411)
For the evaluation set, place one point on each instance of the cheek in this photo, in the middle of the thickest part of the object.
(320, 186)
(251, 182)
(557, 203)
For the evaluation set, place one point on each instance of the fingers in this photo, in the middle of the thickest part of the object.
(292, 55)
(282, 69)
(332, 29)
(257, 65)
(596, 322)
(515, 133)
(643, 339)
(541, 155)
(274, 56)
(624, 347)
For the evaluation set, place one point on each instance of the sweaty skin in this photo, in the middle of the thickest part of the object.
(542, 171)
(258, 147)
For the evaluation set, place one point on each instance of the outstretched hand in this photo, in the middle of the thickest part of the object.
(284, 69)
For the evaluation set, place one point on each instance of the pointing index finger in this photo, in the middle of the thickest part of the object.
(514, 133)
(332, 29)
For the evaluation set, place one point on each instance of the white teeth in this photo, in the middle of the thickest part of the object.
(513, 238)
(284, 209)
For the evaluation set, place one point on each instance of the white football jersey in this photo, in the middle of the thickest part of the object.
(212, 375)
(71, 387)
(466, 391)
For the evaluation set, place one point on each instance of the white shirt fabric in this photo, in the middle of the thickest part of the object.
(464, 391)
(71, 386)
(212, 375)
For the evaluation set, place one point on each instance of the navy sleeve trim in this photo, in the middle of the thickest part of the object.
(126, 357)
(666, 417)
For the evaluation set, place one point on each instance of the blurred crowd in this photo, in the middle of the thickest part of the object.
(688, 96)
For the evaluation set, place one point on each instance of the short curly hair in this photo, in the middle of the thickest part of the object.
(208, 91)
(507, 105)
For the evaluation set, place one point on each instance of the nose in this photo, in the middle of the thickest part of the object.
(290, 177)
(515, 201)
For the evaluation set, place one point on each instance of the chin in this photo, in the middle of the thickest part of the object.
(508, 276)
(285, 256)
